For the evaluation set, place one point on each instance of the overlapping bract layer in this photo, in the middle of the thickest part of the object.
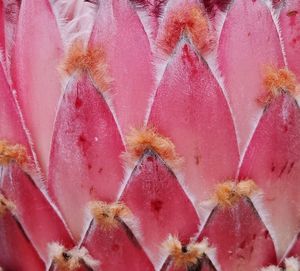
(192, 132)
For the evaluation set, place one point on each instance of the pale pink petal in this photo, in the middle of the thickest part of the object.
(273, 162)
(119, 31)
(249, 43)
(17, 252)
(86, 146)
(190, 108)
(289, 22)
(117, 249)
(241, 240)
(37, 216)
(35, 58)
(155, 197)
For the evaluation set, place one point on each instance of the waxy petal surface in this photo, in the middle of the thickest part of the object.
(119, 31)
(190, 108)
(240, 238)
(117, 249)
(86, 146)
(248, 44)
(17, 253)
(156, 198)
(38, 218)
(35, 60)
(273, 162)
(289, 22)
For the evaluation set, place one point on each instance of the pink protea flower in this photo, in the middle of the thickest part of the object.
(149, 135)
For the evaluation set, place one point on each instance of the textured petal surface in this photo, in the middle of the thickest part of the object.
(119, 30)
(35, 59)
(85, 152)
(10, 124)
(9, 16)
(248, 44)
(156, 198)
(272, 161)
(241, 239)
(190, 108)
(289, 22)
(117, 250)
(39, 220)
(2, 35)
(17, 253)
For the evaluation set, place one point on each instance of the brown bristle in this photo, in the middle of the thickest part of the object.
(5, 205)
(229, 193)
(92, 60)
(277, 81)
(185, 256)
(107, 215)
(140, 140)
(69, 260)
(191, 20)
(12, 153)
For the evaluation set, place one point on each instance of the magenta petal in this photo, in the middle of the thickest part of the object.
(39, 220)
(249, 43)
(190, 108)
(289, 22)
(294, 249)
(10, 124)
(156, 198)
(272, 161)
(86, 146)
(35, 60)
(11, 9)
(241, 239)
(117, 250)
(2, 33)
(17, 253)
(119, 31)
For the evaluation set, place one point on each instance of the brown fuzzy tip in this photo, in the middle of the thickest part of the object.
(92, 60)
(12, 153)
(5, 205)
(69, 260)
(140, 140)
(185, 256)
(277, 81)
(229, 193)
(192, 21)
(108, 216)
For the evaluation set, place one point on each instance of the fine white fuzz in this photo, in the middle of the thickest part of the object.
(70, 259)
(185, 256)
(271, 268)
(292, 264)
(75, 19)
